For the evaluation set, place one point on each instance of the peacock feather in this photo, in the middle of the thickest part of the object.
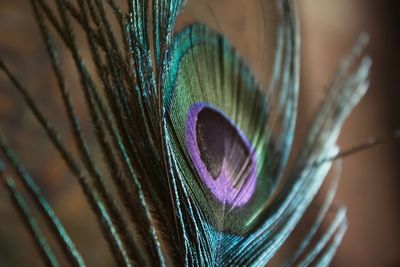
(194, 145)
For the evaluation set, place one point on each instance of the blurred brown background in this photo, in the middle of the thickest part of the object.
(370, 183)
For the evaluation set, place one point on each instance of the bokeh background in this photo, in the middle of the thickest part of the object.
(370, 183)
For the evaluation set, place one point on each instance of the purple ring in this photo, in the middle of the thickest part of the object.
(222, 185)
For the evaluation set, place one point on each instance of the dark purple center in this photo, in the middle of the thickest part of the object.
(222, 155)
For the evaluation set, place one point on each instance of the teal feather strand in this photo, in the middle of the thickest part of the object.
(125, 188)
(55, 224)
(339, 220)
(20, 205)
(319, 219)
(326, 257)
(90, 192)
(85, 154)
(147, 220)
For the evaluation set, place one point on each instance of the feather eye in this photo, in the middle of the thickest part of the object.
(216, 126)
(193, 145)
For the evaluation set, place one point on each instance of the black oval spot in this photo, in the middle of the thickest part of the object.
(217, 140)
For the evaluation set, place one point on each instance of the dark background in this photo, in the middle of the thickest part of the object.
(370, 181)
